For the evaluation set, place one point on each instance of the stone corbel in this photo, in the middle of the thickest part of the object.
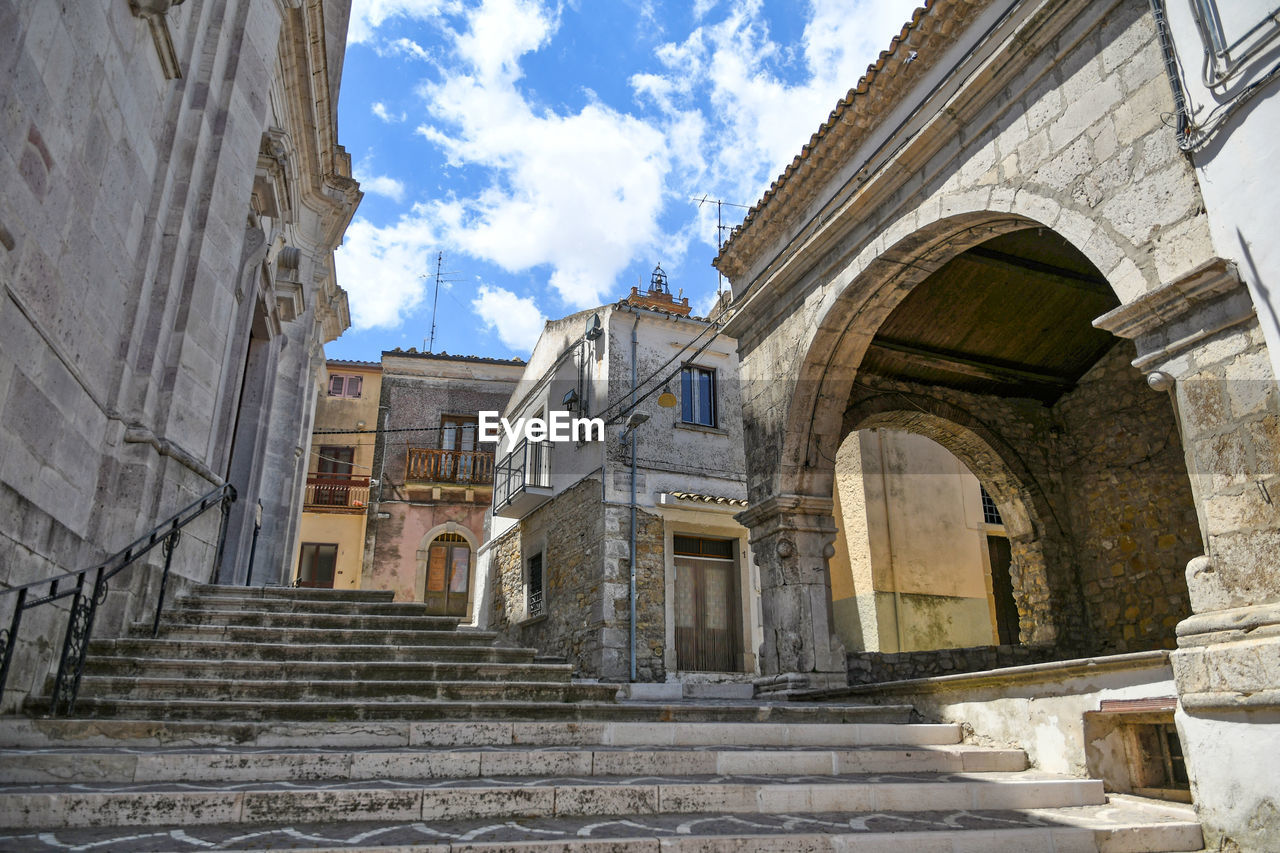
(290, 294)
(153, 12)
(271, 193)
(1172, 319)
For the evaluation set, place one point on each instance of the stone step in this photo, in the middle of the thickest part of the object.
(206, 650)
(244, 711)
(56, 806)
(221, 603)
(70, 734)
(315, 636)
(288, 592)
(240, 765)
(411, 674)
(288, 619)
(328, 690)
(1116, 827)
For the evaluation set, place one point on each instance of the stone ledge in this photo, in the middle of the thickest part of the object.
(1030, 674)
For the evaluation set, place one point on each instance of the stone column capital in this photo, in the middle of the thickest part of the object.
(801, 513)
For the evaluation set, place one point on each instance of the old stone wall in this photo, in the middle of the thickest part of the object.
(879, 667)
(584, 546)
(1133, 519)
(139, 244)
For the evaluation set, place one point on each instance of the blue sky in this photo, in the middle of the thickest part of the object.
(553, 151)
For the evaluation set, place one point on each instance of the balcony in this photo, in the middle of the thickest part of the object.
(342, 493)
(522, 480)
(468, 468)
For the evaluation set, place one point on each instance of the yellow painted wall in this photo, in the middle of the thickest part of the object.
(910, 570)
(345, 531)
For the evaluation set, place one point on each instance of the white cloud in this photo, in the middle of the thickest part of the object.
(368, 15)
(380, 110)
(382, 268)
(383, 186)
(516, 319)
(759, 120)
(406, 47)
(579, 192)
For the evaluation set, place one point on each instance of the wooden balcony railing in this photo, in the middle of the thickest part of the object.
(465, 467)
(336, 493)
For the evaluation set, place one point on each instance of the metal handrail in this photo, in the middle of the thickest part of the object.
(75, 644)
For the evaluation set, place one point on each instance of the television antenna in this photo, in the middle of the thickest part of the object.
(440, 276)
(720, 227)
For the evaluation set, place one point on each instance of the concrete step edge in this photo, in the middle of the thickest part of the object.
(21, 732)
(96, 808)
(250, 766)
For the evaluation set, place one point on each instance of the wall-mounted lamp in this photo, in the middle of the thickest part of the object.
(570, 400)
(635, 420)
(666, 399)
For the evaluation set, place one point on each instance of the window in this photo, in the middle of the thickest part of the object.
(534, 604)
(341, 385)
(332, 482)
(457, 432)
(990, 512)
(698, 395)
(316, 565)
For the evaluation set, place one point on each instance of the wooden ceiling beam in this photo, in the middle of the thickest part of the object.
(1024, 266)
(969, 365)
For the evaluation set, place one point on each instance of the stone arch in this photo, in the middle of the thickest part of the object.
(866, 287)
(1047, 597)
(424, 550)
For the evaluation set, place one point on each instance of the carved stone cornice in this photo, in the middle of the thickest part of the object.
(803, 513)
(1175, 317)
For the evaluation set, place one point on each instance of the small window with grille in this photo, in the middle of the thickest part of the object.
(990, 512)
(534, 603)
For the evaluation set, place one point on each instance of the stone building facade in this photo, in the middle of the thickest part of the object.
(997, 240)
(432, 480)
(558, 561)
(335, 505)
(171, 192)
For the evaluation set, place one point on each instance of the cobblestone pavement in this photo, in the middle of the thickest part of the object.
(372, 834)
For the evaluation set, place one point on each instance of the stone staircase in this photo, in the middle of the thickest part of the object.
(271, 719)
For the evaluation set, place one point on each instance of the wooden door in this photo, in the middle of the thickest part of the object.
(316, 565)
(448, 576)
(706, 612)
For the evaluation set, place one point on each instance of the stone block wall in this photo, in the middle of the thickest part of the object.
(1133, 518)
(879, 667)
(584, 545)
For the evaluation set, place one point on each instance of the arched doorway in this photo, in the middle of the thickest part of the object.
(922, 560)
(444, 574)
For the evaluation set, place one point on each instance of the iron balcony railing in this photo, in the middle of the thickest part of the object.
(464, 467)
(528, 465)
(85, 601)
(327, 492)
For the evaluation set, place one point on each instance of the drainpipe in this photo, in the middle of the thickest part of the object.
(634, 324)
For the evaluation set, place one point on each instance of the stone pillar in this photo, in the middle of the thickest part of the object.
(1198, 338)
(792, 538)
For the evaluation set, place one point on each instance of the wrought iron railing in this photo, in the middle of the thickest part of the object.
(466, 467)
(329, 492)
(528, 464)
(85, 603)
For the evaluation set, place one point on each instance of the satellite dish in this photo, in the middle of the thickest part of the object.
(594, 329)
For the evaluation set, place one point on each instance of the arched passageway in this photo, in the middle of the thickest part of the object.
(990, 351)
